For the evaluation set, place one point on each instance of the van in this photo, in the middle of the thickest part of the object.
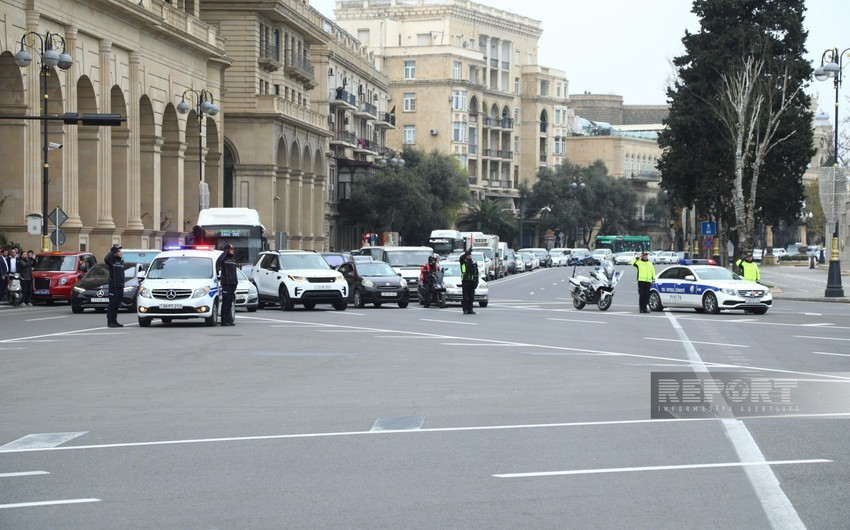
(179, 284)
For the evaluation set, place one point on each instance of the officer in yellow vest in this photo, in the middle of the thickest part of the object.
(749, 268)
(645, 277)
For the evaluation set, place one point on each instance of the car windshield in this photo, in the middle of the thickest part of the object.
(101, 270)
(450, 269)
(715, 273)
(180, 268)
(55, 263)
(303, 261)
(487, 252)
(334, 260)
(541, 253)
(139, 256)
(408, 258)
(377, 268)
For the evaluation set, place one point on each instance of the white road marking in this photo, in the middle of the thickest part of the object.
(46, 503)
(818, 324)
(45, 318)
(778, 509)
(577, 320)
(827, 353)
(23, 474)
(698, 342)
(474, 344)
(813, 314)
(34, 338)
(821, 338)
(351, 313)
(405, 337)
(658, 468)
(345, 331)
(41, 441)
(449, 322)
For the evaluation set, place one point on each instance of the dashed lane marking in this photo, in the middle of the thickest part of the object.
(46, 503)
(698, 342)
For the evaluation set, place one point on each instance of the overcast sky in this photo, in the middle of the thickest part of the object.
(625, 47)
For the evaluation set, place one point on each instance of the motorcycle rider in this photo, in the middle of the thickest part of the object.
(469, 281)
(645, 277)
(426, 276)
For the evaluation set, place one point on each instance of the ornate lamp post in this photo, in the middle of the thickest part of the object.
(575, 185)
(832, 66)
(51, 48)
(204, 105)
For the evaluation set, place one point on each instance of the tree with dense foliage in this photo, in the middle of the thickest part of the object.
(490, 217)
(423, 195)
(738, 136)
(576, 199)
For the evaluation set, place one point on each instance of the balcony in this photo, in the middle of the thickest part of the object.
(367, 111)
(473, 117)
(385, 120)
(344, 138)
(269, 59)
(543, 158)
(494, 63)
(274, 104)
(368, 146)
(301, 69)
(473, 181)
(507, 123)
(341, 97)
(507, 155)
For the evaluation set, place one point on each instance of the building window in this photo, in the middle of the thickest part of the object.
(516, 85)
(410, 69)
(459, 100)
(516, 144)
(459, 132)
(544, 88)
(456, 69)
(409, 102)
(344, 185)
(516, 117)
(560, 146)
(409, 134)
(558, 89)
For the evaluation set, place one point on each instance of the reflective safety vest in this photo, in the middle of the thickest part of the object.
(646, 270)
(749, 270)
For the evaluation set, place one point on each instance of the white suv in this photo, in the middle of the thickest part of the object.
(289, 277)
(179, 284)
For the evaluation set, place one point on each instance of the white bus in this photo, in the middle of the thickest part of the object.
(241, 227)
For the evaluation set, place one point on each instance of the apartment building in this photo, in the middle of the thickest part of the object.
(137, 184)
(465, 80)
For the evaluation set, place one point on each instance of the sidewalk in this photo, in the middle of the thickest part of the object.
(799, 282)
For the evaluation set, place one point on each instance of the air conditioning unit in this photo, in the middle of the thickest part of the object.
(433, 132)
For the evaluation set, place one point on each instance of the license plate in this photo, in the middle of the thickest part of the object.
(751, 300)
(42, 291)
(100, 300)
(387, 294)
(323, 286)
(170, 306)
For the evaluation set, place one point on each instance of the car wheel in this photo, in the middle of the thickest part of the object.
(76, 309)
(286, 303)
(358, 299)
(655, 302)
(483, 303)
(578, 304)
(403, 304)
(212, 320)
(144, 322)
(340, 306)
(709, 303)
(309, 305)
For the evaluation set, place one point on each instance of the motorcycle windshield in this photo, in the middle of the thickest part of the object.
(608, 269)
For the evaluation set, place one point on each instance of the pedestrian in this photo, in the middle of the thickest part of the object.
(225, 268)
(25, 263)
(469, 281)
(645, 277)
(749, 268)
(4, 272)
(115, 261)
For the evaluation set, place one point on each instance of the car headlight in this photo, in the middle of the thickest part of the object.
(63, 281)
(367, 283)
(295, 278)
(79, 289)
(730, 292)
(129, 289)
(144, 292)
(403, 282)
(252, 291)
(201, 291)
(339, 278)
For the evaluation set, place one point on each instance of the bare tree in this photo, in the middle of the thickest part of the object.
(750, 107)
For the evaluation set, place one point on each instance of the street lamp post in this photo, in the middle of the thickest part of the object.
(575, 185)
(204, 105)
(832, 66)
(52, 53)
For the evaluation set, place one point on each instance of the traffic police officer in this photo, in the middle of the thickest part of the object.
(645, 277)
(225, 267)
(469, 281)
(749, 268)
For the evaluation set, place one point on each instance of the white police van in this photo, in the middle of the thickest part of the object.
(180, 284)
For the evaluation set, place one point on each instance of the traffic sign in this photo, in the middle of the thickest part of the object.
(708, 228)
(57, 237)
(708, 243)
(58, 216)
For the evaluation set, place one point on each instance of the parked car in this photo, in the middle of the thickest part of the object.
(54, 274)
(560, 256)
(290, 277)
(600, 254)
(708, 289)
(625, 257)
(374, 282)
(666, 258)
(510, 258)
(543, 258)
(454, 291)
(581, 256)
(247, 296)
(335, 259)
(527, 261)
(92, 290)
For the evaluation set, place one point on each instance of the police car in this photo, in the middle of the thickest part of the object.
(708, 289)
(180, 284)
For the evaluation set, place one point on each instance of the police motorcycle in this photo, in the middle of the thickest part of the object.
(13, 289)
(432, 290)
(597, 289)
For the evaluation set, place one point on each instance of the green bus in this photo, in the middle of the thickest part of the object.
(624, 243)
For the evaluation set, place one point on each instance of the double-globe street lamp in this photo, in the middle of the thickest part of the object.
(51, 48)
(204, 106)
(832, 66)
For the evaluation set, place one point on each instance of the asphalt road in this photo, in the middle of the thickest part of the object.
(530, 414)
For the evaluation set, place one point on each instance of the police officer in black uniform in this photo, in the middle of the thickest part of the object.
(115, 261)
(225, 268)
(469, 281)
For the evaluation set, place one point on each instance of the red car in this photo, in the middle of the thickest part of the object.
(55, 273)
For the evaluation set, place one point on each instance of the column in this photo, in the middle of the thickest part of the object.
(70, 139)
(32, 140)
(134, 184)
(104, 144)
(295, 190)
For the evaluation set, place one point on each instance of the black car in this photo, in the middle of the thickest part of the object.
(581, 256)
(374, 282)
(335, 259)
(92, 290)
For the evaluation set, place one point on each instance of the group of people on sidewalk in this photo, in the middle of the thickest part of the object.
(14, 261)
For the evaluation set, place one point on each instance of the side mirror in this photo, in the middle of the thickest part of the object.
(690, 278)
(141, 274)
